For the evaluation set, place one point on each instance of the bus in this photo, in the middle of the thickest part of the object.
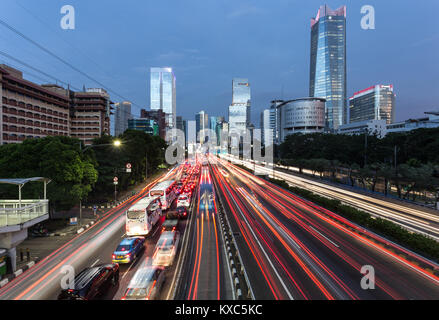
(165, 190)
(142, 216)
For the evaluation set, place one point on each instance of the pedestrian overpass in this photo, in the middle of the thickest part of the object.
(17, 215)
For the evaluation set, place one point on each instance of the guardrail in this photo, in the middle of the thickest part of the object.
(240, 280)
(14, 212)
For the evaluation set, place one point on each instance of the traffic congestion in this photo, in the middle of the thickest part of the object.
(166, 204)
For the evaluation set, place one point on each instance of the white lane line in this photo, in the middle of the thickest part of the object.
(262, 249)
(94, 263)
(128, 270)
(123, 235)
(324, 236)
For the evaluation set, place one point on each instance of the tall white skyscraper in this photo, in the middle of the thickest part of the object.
(121, 116)
(163, 94)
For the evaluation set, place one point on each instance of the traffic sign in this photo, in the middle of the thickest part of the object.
(115, 179)
(128, 166)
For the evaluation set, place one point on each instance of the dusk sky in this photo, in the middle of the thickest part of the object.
(210, 42)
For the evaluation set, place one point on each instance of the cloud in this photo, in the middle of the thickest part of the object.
(243, 11)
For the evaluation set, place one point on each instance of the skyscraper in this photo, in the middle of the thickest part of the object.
(239, 110)
(265, 127)
(201, 124)
(275, 123)
(182, 125)
(374, 103)
(328, 63)
(163, 94)
(121, 116)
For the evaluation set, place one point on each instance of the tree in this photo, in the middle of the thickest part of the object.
(136, 148)
(73, 175)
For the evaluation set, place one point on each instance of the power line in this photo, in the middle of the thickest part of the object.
(62, 60)
(45, 74)
(59, 36)
(35, 69)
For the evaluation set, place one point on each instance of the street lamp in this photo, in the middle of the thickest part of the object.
(116, 143)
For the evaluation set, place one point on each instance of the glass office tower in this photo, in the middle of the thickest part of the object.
(163, 94)
(121, 116)
(374, 103)
(328, 63)
(201, 124)
(239, 110)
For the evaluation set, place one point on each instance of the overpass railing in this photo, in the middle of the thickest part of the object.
(14, 212)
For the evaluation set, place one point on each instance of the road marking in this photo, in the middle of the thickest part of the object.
(94, 263)
(123, 235)
(262, 249)
(128, 270)
(324, 236)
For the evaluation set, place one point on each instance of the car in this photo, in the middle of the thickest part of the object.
(169, 225)
(183, 201)
(182, 212)
(92, 282)
(145, 284)
(128, 250)
(166, 248)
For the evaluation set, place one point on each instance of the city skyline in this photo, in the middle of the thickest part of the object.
(287, 61)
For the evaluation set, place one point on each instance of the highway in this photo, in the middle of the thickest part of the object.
(293, 249)
(421, 220)
(290, 248)
(205, 276)
(93, 246)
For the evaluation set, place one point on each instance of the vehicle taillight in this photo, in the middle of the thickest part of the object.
(113, 256)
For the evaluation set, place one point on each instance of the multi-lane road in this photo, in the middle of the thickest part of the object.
(293, 249)
(421, 220)
(206, 276)
(289, 248)
(92, 247)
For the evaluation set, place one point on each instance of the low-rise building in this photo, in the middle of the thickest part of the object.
(372, 127)
(149, 126)
(304, 115)
(430, 121)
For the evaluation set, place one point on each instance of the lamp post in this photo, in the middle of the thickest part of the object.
(116, 143)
